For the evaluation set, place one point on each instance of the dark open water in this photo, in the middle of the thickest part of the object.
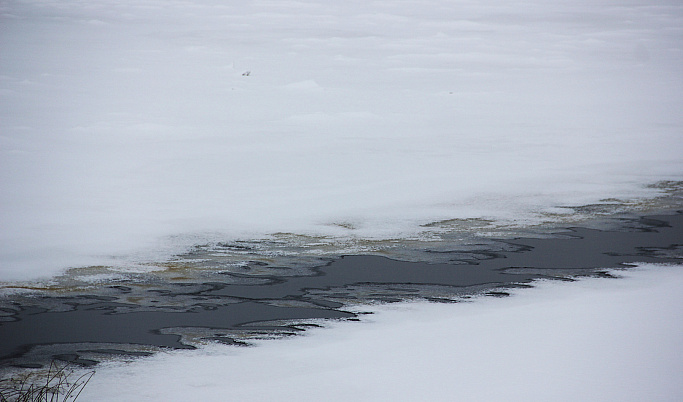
(131, 319)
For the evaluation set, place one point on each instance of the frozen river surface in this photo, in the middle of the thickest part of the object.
(132, 131)
(149, 147)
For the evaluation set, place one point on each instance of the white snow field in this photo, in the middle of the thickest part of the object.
(592, 340)
(131, 130)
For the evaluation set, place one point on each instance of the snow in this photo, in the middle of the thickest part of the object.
(131, 130)
(596, 339)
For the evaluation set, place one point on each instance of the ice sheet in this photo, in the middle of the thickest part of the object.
(131, 130)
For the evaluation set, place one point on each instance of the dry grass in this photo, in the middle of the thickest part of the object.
(59, 383)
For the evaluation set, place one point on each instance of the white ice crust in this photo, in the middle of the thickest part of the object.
(134, 129)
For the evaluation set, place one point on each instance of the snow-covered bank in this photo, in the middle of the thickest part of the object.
(139, 128)
(596, 339)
